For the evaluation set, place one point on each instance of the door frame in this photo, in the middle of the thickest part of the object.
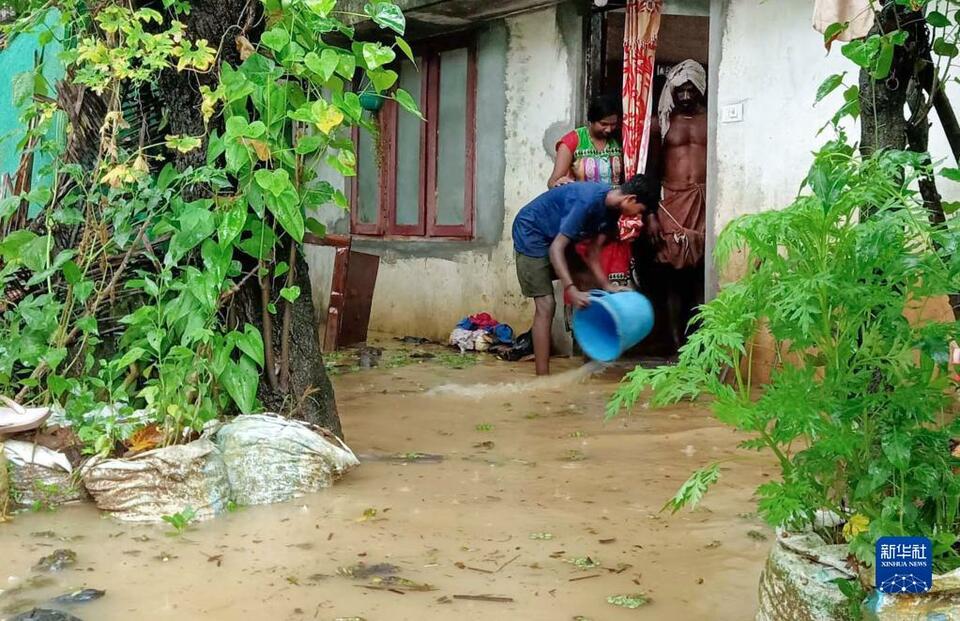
(594, 43)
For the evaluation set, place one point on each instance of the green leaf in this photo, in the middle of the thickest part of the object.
(232, 221)
(351, 106)
(276, 38)
(938, 19)
(323, 65)
(862, 52)
(309, 143)
(272, 308)
(406, 49)
(320, 7)
(241, 380)
(281, 268)
(133, 354)
(195, 224)
(386, 15)
(183, 144)
(692, 491)
(276, 182)
(83, 290)
(953, 174)
(22, 88)
(316, 227)
(829, 85)
(286, 209)
(216, 258)
(166, 177)
(33, 254)
(884, 61)
(347, 66)
(290, 294)
(382, 79)
(258, 240)
(943, 47)
(406, 101)
(376, 55)
(833, 32)
(950, 207)
(71, 273)
(251, 343)
(340, 200)
(87, 324)
(239, 127)
(896, 447)
(12, 244)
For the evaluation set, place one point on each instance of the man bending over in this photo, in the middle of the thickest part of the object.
(545, 231)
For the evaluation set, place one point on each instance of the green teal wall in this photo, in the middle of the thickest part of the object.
(21, 55)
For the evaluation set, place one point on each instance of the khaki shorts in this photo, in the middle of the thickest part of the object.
(535, 274)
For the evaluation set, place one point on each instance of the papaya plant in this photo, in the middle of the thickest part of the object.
(858, 409)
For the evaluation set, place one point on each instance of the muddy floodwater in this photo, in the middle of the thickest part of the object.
(473, 483)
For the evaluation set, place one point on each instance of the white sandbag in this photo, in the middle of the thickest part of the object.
(272, 459)
(160, 482)
(39, 475)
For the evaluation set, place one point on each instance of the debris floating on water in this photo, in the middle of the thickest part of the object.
(79, 597)
(56, 561)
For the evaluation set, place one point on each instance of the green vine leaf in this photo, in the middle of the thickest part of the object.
(406, 49)
(376, 55)
(324, 64)
(276, 38)
(290, 294)
(386, 15)
(183, 144)
(829, 85)
(406, 101)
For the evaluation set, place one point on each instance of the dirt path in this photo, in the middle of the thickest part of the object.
(533, 489)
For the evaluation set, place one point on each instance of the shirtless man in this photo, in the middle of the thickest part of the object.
(679, 153)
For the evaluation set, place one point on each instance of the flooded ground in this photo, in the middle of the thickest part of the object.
(536, 502)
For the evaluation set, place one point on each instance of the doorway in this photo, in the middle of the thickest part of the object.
(684, 34)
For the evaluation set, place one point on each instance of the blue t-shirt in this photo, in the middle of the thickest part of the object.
(577, 210)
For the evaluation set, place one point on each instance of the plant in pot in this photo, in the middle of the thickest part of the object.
(375, 86)
(857, 410)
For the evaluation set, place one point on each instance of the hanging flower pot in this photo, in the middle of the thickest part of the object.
(371, 101)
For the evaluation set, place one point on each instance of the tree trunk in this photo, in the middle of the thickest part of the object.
(308, 395)
(882, 121)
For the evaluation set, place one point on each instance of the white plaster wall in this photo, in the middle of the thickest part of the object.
(427, 296)
(773, 61)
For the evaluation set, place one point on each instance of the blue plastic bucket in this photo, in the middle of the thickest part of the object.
(612, 323)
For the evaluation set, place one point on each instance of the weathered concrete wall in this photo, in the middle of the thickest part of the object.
(774, 71)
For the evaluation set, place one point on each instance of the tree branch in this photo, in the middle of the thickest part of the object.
(287, 320)
(269, 366)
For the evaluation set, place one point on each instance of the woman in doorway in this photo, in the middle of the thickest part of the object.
(593, 153)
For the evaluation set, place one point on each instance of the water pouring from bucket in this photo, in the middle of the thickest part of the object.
(612, 323)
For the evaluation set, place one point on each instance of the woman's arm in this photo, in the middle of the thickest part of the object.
(561, 167)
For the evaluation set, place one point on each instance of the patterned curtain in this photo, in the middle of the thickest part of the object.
(639, 54)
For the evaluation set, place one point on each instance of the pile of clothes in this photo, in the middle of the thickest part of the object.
(481, 332)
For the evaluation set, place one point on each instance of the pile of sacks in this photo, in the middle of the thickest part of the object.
(248, 460)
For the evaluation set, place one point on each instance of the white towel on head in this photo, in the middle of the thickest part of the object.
(687, 71)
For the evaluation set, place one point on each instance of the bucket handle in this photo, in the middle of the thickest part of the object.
(599, 293)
